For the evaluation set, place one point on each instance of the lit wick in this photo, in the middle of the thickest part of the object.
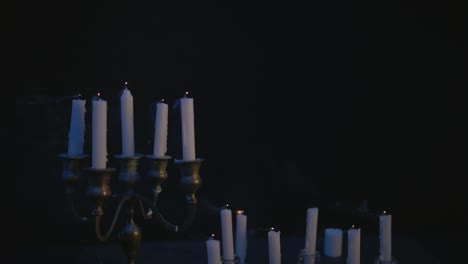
(272, 229)
(99, 96)
(240, 212)
(212, 236)
(226, 206)
(186, 94)
(125, 86)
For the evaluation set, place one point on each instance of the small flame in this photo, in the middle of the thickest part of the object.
(353, 226)
(272, 228)
(98, 94)
(384, 212)
(212, 235)
(126, 83)
(240, 212)
(162, 100)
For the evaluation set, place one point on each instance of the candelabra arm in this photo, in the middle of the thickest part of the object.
(70, 207)
(190, 209)
(98, 219)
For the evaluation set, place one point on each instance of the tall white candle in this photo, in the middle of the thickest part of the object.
(333, 242)
(385, 234)
(99, 134)
(354, 246)
(160, 130)
(241, 236)
(126, 117)
(213, 251)
(227, 235)
(274, 247)
(188, 128)
(311, 231)
(77, 128)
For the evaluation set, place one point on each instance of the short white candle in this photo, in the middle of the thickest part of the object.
(99, 134)
(333, 242)
(311, 231)
(213, 251)
(241, 236)
(188, 128)
(385, 235)
(226, 233)
(160, 130)
(126, 117)
(274, 247)
(354, 246)
(77, 128)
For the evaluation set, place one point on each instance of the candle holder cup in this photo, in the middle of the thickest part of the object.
(99, 191)
(128, 173)
(304, 258)
(236, 260)
(71, 176)
(379, 260)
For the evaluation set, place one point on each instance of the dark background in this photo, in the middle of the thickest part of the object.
(321, 104)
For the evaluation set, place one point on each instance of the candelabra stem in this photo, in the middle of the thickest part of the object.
(130, 236)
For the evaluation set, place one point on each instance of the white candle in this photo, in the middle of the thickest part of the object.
(333, 242)
(160, 130)
(241, 236)
(274, 247)
(99, 134)
(385, 222)
(311, 231)
(354, 246)
(126, 117)
(213, 251)
(77, 128)
(227, 235)
(188, 128)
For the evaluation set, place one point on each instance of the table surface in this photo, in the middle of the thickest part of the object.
(422, 249)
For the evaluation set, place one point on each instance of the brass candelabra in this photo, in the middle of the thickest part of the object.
(99, 191)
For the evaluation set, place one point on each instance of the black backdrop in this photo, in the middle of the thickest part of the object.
(314, 105)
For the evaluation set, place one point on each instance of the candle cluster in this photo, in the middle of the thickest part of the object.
(99, 128)
(333, 241)
(228, 249)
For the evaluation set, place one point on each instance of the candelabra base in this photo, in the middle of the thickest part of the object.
(379, 260)
(305, 258)
(236, 260)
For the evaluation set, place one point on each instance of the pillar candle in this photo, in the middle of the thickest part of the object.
(126, 117)
(160, 130)
(385, 235)
(311, 231)
(226, 233)
(188, 129)
(333, 242)
(99, 134)
(274, 247)
(213, 251)
(77, 128)
(354, 246)
(241, 236)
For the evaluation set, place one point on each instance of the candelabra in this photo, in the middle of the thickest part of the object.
(99, 191)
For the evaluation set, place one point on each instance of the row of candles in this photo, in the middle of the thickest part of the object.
(332, 243)
(99, 128)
